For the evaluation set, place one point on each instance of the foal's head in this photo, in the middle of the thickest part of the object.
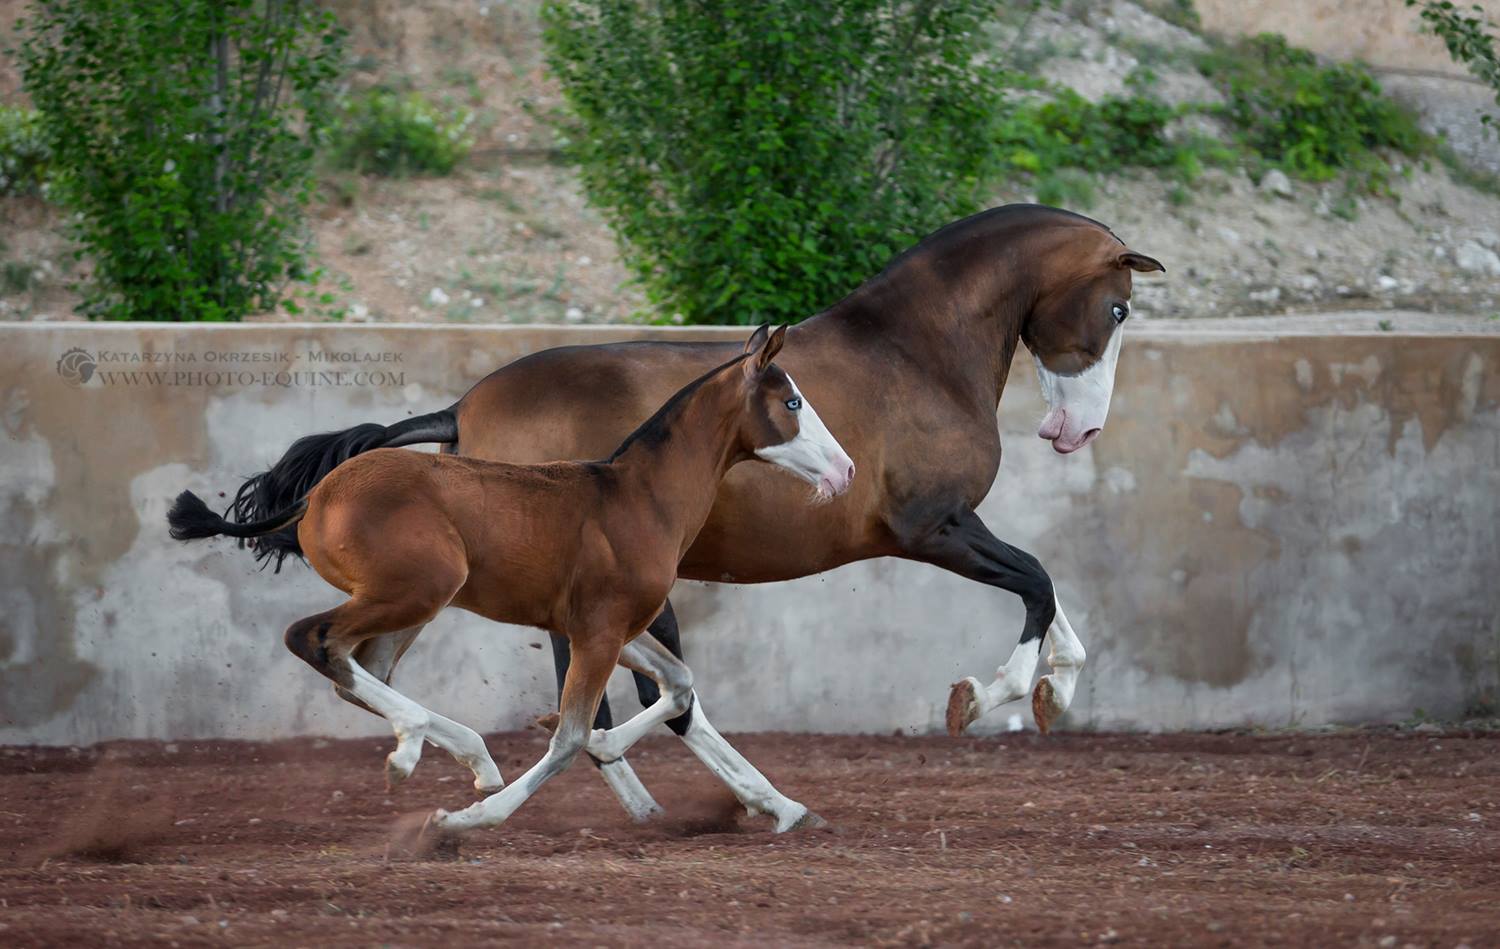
(1075, 328)
(780, 425)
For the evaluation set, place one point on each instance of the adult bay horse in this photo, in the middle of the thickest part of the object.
(908, 369)
(585, 550)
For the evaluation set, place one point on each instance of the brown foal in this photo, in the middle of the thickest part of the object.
(585, 550)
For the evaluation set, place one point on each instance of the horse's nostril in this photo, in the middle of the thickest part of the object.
(851, 472)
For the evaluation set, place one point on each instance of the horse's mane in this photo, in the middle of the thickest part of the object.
(962, 228)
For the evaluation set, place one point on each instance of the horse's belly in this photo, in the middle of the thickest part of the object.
(764, 527)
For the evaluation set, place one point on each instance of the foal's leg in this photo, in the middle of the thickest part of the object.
(378, 657)
(327, 642)
(959, 541)
(675, 680)
(617, 773)
(587, 677)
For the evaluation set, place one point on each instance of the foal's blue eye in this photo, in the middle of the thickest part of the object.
(1120, 313)
(794, 404)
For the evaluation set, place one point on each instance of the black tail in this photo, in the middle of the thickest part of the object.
(308, 461)
(192, 520)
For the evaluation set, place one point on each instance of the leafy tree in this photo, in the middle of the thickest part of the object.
(759, 159)
(1468, 40)
(181, 136)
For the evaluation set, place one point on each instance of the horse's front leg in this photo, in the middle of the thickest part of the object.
(957, 540)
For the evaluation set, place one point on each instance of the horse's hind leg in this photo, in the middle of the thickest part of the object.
(758, 795)
(378, 656)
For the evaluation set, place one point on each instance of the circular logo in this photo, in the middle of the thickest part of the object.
(76, 366)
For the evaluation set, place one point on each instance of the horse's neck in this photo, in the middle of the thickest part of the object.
(958, 332)
(681, 473)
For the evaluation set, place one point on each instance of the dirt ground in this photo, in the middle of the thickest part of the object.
(1369, 838)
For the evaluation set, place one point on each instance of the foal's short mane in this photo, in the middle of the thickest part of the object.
(658, 428)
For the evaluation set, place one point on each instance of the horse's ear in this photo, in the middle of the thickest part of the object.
(1139, 262)
(758, 338)
(773, 346)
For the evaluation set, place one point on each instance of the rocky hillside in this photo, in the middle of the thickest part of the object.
(509, 237)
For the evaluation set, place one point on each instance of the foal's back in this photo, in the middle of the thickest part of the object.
(509, 542)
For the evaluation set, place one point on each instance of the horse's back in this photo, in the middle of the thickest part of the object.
(577, 402)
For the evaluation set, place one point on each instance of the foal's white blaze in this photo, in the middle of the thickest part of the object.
(814, 455)
(1078, 403)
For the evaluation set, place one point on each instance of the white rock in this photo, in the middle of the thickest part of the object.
(358, 312)
(1229, 234)
(436, 297)
(573, 315)
(1276, 182)
(1476, 258)
(477, 302)
(1268, 295)
(1385, 283)
(1489, 239)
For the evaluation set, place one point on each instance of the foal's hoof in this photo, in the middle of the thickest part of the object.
(963, 705)
(807, 820)
(1045, 706)
(395, 772)
(417, 837)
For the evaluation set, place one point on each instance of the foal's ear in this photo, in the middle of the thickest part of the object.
(773, 346)
(1139, 262)
(763, 346)
(758, 338)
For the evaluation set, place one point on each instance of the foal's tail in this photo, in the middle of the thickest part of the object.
(191, 519)
(266, 496)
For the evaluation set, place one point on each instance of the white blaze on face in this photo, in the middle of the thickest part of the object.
(1078, 403)
(814, 455)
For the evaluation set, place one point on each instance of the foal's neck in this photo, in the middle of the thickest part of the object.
(679, 457)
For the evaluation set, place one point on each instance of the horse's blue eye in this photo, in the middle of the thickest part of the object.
(794, 404)
(1120, 313)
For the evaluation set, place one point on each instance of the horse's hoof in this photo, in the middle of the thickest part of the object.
(548, 722)
(963, 706)
(1045, 707)
(485, 790)
(418, 837)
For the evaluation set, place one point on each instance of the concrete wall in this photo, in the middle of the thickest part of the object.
(1275, 529)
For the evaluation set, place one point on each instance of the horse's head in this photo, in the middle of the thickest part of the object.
(780, 425)
(1075, 329)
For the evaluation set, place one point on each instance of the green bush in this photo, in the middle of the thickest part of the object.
(759, 160)
(1311, 120)
(395, 134)
(182, 134)
(1070, 131)
(23, 151)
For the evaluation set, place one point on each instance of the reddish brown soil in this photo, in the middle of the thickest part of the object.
(1366, 838)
